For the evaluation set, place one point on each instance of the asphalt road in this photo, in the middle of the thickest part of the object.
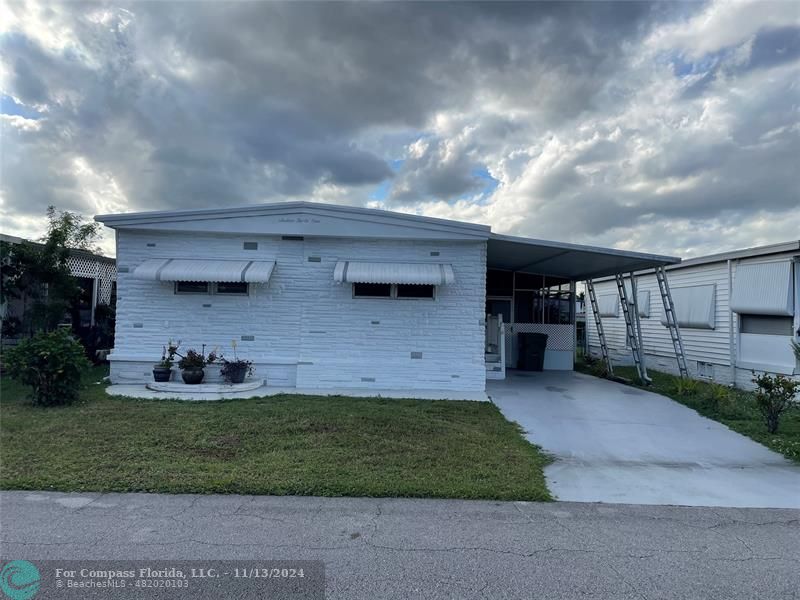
(405, 548)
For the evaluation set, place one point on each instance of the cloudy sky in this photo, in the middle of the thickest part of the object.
(671, 128)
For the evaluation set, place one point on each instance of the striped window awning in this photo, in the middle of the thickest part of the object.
(347, 271)
(184, 269)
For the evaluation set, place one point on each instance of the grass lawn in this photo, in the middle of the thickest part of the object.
(734, 408)
(327, 446)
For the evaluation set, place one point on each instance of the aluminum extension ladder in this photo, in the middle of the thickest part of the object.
(672, 322)
(599, 324)
(633, 326)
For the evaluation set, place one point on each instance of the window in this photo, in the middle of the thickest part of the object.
(527, 281)
(191, 287)
(766, 325)
(238, 288)
(415, 291)
(608, 305)
(499, 283)
(695, 306)
(391, 290)
(372, 290)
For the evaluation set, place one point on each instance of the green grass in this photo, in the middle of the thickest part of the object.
(734, 408)
(327, 446)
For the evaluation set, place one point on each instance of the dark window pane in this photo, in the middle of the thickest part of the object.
(414, 291)
(552, 281)
(191, 287)
(523, 307)
(767, 325)
(232, 287)
(526, 281)
(499, 307)
(372, 290)
(499, 283)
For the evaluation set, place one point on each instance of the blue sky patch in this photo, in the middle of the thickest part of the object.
(10, 107)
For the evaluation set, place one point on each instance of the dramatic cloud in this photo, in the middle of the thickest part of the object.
(669, 127)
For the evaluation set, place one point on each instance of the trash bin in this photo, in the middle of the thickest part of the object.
(531, 348)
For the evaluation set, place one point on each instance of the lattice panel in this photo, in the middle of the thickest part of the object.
(559, 337)
(87, 266)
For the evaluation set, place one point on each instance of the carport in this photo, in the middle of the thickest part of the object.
(530, 288)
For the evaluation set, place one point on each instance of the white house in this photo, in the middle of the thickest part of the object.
(323, 296)
(738, 312)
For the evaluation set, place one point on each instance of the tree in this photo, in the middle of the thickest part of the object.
(38, 273)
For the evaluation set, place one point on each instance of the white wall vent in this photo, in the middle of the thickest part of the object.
(705, 370)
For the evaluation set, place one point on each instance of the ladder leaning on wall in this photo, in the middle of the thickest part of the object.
(599, 325)
(633, 326)
(672, 322)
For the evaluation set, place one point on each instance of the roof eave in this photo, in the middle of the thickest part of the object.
(144, 218)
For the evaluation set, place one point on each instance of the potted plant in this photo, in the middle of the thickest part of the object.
(234, 371)
(163, 370)
(191, 365)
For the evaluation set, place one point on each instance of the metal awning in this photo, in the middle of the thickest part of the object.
(763, 289)
(184, 269)
(380, 272)
(570, 261)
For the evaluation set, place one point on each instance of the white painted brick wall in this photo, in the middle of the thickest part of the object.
(309, 331)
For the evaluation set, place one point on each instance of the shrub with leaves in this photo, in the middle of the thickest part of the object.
(775, 394)
(51, 363)
(196, 360)
(686, 387)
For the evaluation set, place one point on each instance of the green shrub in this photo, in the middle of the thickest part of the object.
(719, 396)
(52, 363)
(686, 387)
(774, 396)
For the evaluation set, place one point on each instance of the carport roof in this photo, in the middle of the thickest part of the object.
(571, 261)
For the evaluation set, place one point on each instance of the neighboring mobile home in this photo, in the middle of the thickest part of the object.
(726, 336)
(323, 296)
(96, 275)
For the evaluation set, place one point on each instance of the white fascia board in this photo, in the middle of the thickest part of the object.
(300, 218)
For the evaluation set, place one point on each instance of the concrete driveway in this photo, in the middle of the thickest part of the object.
(615, 443)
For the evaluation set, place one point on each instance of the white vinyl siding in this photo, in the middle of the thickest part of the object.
(711, 346)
